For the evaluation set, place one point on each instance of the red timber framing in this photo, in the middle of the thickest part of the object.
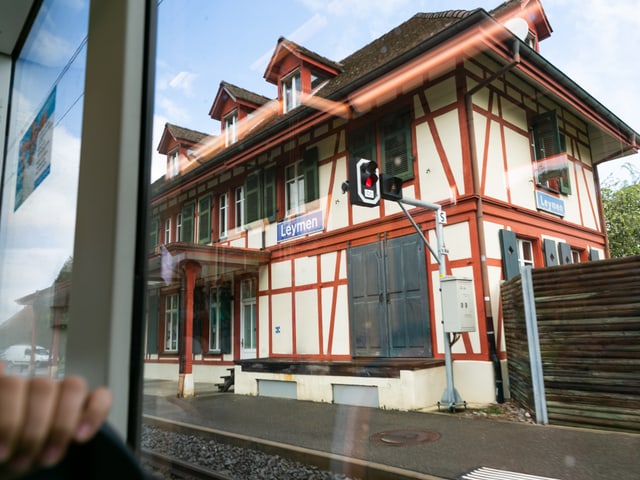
(473, 100)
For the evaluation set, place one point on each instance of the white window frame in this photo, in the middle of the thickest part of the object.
(179, 227)
(239, 193)
(174, 164)
(291, 89)
(525, 246)
(223, 215)
(214, 320)
(231, 128)
(167, 230)
(294, 189)
(171, 322)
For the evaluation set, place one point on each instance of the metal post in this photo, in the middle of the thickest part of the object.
(450, 397)
(535, 357)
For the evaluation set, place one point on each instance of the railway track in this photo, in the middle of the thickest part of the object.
(171, 467)
(322, 465)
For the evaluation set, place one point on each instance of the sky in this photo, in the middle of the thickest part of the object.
(593, 42)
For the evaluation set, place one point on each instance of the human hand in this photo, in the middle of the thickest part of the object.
(40, 417)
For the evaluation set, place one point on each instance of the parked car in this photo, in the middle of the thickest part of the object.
(20, 356)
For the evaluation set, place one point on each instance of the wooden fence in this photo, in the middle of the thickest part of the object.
(588, 320)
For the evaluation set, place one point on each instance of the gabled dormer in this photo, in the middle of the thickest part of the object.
(232, 105)
(295, 70)
(532, 12)
(176, 143)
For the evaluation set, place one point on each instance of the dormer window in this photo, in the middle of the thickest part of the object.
(231, 128)
(291, 92)
(174, 164)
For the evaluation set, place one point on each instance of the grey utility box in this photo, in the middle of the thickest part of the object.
(458, 304)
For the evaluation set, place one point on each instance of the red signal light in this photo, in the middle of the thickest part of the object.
(371, 180)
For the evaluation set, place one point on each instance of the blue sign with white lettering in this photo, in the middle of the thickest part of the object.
(299, 226)
(549, 203)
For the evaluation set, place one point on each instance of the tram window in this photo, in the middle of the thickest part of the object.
(274, 287)
(39, 185)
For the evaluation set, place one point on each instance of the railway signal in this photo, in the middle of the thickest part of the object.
(364, 184)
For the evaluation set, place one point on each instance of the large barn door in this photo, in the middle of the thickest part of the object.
(389, 301)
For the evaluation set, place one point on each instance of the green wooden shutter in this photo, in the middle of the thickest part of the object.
(509, 252)
(153, 233)
(153, 317)
(565, 253)
(188, 212)
(362, 144)
(226, 302)
(310, 171)
(593, 255)
(204, 219)
(252, 204)
(550, 252)
(395, 145)
(269, 194)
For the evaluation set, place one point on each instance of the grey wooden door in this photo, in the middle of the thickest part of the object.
(389, 307)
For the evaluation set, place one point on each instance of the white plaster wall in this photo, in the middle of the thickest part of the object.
(475, 381)
(263, 326)
(491, 239)
(414, 390)
(433, 181)
(441, 94)
(161, 371)
(341, 338)
(281, 275)
(458, 240)
(305, 269)
(520, 173)
(338, 203)
(307, 334)
(281, 317)
(448, 126)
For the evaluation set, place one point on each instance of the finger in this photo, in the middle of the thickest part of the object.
(40, 406)
(13, 395)
(2, 367)
(95, 413)
(71, 398)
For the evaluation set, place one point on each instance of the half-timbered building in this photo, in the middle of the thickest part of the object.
(261, 266)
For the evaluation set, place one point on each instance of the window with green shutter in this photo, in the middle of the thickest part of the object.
(153, 233)
(391, 137)
(252, 202)
(552, 166)
(395, 145)
(188, 212)
(204, 219)
(269, 194)
(310, 172)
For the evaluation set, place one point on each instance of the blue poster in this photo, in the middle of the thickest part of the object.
(34, 156)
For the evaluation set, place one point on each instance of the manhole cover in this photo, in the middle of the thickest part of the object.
(398, 438)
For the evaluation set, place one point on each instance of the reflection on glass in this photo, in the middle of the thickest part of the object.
(39, 189)
(279, 277)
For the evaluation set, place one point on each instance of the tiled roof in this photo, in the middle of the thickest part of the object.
(181, 133)
(246, 95)
(401, 39)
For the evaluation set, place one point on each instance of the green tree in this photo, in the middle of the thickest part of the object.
(621, 202)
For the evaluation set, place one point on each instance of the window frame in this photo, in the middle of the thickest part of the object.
(171, 318)
(291, 87)
(297, 181)
(204, 219)
(173, 168)
(167, 230)
(239, 207)
(231, 128)
(522, 261)
(551, 170)
(223, 215)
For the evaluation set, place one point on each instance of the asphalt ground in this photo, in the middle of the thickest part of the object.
(439, 444)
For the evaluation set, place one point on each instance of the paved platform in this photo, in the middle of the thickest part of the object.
(436, 444)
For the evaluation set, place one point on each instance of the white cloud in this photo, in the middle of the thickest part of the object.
(183, 81)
